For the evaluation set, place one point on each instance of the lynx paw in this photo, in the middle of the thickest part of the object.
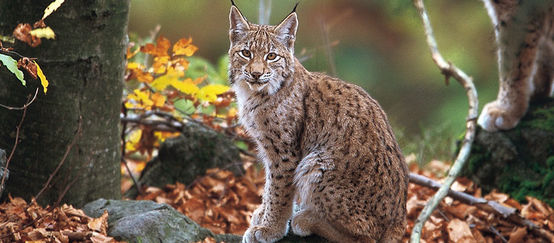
(300, 224)
(262, 234)
(495, 117)
(258, 215)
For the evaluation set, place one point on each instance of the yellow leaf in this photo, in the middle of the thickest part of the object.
(133, 140)
(210, 92)
(187, 86)
(184, 47)
(52, 7)
(47, 33)
(43, 80)
(163, 81)
(134, 65)
(139, 99)
(232, 112)
(162, 136)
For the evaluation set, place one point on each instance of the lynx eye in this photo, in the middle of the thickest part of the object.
(271, 56)
(245, 53)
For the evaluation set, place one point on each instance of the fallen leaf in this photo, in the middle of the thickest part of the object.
(458, 231)
(99, 224)
(518, 235)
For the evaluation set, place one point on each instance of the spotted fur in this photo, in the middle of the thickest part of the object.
(325, 144)
(524, 33)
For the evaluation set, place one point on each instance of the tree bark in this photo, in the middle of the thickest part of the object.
(85, 66)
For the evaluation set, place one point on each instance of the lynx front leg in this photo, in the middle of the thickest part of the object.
(269, 221)
(518, 29)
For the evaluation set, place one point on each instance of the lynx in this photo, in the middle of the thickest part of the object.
(524, 33)
(326, 145)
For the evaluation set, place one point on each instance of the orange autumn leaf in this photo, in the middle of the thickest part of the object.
(158, 99)
(160, 64)
(184, 47)
(160, 49)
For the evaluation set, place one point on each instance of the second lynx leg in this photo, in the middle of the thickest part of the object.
(524, 37)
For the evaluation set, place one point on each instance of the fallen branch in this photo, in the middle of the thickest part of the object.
(448, 70)
(508, 213)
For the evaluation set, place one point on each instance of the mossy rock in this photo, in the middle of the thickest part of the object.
(520, 161)
(183, 158)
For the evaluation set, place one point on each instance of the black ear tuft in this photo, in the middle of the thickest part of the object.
(233, 3)
(294, 9)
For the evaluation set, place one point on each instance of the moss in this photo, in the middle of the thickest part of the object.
(542, 119)
(520, 161)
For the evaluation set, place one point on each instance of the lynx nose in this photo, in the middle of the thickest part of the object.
(256, 75)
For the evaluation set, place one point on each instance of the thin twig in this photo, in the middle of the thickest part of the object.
(264, 11)
(17, 130)
(328, 49)
(449, 70)
(135, 182)
(25, 105)
(62, 161)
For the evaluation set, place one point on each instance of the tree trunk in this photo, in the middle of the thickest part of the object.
(85, 66)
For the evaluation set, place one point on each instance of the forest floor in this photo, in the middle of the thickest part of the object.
(224, 203)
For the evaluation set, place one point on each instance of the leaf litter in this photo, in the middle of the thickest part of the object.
(223, 203)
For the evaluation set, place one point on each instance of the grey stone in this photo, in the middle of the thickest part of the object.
(183, 158)
(147, 221)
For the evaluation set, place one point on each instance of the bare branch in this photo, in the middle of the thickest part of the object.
(264, 11)
(17, 130)
(67, 150)
(24, 106)
(449, 70)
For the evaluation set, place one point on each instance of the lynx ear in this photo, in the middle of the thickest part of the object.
(286, 30)
(238, 24)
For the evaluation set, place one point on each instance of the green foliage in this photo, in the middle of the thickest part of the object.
(11, 64)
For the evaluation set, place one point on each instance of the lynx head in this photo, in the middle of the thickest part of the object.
(261, 56)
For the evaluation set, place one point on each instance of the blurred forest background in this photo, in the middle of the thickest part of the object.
(378, 45)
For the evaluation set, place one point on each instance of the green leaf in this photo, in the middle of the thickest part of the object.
(241, 145)
(185, 106)
(11, 64)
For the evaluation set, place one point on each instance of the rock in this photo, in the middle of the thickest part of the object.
(3, 161)
(520, 161)
(187, 156)
(147, 221)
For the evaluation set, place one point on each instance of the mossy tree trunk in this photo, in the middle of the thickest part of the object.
(85, 67)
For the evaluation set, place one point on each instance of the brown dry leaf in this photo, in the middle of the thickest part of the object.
(518, 235)
(497, 196)
(458, 231)
(540, 206)
(413, 206)
(101, 238)
(28, 65)
(22, 33)
(38, 234)
(99, 224)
